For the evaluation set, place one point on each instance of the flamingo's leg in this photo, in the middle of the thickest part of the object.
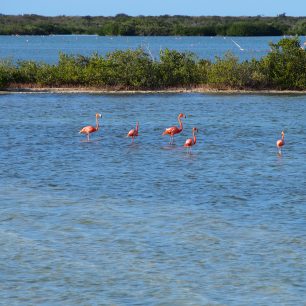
(171, 139)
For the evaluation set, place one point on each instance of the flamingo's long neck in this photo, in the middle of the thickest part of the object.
(180, 122)
(137, 125)
(97, 123)
(194, 138)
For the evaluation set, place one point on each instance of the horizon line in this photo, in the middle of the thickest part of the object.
(283, 15)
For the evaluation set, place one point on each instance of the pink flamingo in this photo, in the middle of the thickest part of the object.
(90, 129)
(280, 143)
(174, 129)
(191, 141)
(134, 132)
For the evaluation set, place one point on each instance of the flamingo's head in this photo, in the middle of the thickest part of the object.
(195, 129)
(283, 134)
(182, 115)
(98, 115)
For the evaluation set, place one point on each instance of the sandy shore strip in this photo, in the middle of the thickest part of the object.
(78, 90)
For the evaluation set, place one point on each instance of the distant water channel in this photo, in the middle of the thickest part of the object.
(47, 48)
(115, 223)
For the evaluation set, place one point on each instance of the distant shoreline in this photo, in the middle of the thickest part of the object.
(89, 90)
(163, 25)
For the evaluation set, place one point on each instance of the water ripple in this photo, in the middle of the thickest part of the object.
(110, 222)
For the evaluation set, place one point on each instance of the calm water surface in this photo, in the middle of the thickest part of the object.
(47, 48)
(114, 223)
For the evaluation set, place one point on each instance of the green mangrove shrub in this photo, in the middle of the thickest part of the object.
(130, 69)
(227, 72)
(282, 68)
(7, 72)
(285, 65)
(70, 69)
(177, 69)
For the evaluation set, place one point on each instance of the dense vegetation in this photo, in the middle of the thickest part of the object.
(282, 68)
(148, 25)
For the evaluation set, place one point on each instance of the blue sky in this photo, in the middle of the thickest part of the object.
(155, 7)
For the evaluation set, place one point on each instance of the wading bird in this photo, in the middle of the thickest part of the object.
(191, 141)
(280, 143)
(134, 132)
(90, 129)
(241, 49)
(174, 129)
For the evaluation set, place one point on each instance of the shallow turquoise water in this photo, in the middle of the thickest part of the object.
(110, 222)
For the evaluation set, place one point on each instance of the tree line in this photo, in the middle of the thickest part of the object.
(165, 25)
(282, 68)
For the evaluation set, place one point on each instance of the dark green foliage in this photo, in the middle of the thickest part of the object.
(95, 71)
(285, 65)
(152, 25)
(177, 69)
(228, 72)
(130, 69)
(70, 69)
(253, 29)
(7, 71)
(27, 72)
(283, 68)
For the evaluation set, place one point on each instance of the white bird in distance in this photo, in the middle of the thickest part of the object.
(241, 49)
